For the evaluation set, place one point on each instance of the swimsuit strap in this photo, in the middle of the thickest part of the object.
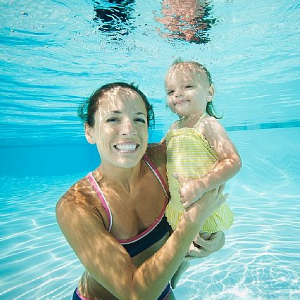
(104, 202)
(97, 188)
(156, 173)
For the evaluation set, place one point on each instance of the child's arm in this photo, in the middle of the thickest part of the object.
(227, 166)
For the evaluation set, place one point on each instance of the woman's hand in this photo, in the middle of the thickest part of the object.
(207, 247)
(189, 191)
(209, 201)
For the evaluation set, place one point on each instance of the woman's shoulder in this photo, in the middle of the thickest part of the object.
(157, 153)
(79, 195)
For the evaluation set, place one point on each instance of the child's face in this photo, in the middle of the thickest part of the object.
(188, 90)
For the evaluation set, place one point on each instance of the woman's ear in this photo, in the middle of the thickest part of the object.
(89, 134)
(211, 93)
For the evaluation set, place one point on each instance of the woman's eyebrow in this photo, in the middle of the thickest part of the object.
(120, 112)
(115, 111)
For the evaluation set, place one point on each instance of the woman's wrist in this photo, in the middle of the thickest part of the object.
(200, 187)
(196, 214)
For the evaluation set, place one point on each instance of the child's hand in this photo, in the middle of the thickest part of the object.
(188, 192)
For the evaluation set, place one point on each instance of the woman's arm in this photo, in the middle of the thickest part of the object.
(228, 165)
(109, 263)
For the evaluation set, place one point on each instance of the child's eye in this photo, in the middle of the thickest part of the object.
(189, 86)
(112, 119)
(170, 92)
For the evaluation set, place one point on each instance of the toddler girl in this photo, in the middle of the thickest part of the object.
(200, 155)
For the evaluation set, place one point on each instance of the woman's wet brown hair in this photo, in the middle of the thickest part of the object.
(86, 111)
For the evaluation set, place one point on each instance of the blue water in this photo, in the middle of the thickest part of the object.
(56, 53)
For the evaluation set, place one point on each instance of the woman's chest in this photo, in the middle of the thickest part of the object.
(138, 213)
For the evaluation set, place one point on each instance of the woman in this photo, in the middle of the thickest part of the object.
(114, 218)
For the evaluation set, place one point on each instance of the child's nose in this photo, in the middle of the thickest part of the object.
(178, 93)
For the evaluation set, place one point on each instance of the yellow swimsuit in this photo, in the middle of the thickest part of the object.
(190, 154)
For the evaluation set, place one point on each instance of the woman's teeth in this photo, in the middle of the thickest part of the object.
(126, 147)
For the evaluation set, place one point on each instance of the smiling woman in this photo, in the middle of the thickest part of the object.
(124, 124)
(114, 217)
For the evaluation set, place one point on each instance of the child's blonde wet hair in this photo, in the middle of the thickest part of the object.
(199, 68)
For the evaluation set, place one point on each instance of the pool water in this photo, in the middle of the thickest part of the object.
(56, 53)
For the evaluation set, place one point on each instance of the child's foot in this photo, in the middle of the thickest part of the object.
(205, 235)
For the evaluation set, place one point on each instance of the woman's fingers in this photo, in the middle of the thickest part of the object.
(223, 198)
(221, 189)
(182, 180)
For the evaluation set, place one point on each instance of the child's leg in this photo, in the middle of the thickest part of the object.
(186, 262)
(182, 268)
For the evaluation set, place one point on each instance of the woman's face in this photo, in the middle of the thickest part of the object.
(121, 130)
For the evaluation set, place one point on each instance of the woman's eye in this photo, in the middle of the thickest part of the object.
(189, 86)
(140, 120)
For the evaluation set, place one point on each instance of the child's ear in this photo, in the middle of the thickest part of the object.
(89, 134)
(211, 93)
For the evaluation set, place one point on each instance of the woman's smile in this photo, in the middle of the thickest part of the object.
(127, 147)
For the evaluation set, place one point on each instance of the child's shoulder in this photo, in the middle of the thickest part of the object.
(209, 126)
(175, 125)
(206, 121)
(209, 119)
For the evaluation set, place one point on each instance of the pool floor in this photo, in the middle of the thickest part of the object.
(260, 259)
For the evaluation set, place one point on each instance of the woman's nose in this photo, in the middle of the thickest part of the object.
(127, 128)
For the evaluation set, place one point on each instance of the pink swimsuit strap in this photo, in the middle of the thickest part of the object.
(96, 187)
(157, 174)
(104, 202)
